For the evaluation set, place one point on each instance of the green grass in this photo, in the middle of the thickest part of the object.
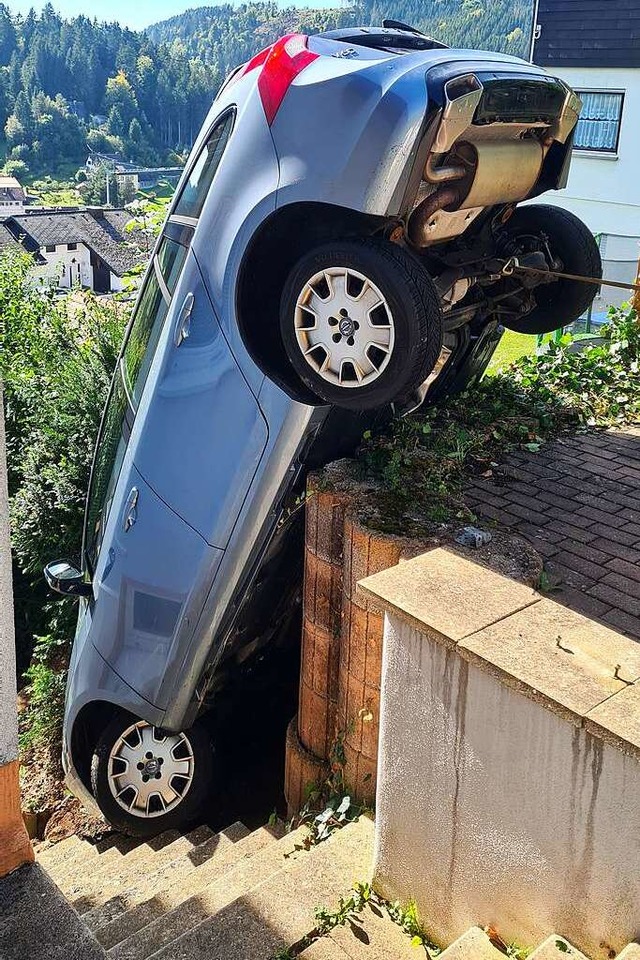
(511, 347)
(516, 345)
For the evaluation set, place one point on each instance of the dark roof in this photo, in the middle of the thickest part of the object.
(103, 231)
(588, 33)
(7, 240)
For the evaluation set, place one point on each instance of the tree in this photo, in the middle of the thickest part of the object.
(16, 168)
(119, 95)
(115, 123)
(8, 38)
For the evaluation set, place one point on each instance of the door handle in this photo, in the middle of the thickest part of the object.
(130, 513)
(183, 323)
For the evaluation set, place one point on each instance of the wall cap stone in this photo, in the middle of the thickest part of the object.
(445, 595)
(617, 720)
(578, 668)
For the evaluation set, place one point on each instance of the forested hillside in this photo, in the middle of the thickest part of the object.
(70, 85)
(226, 35)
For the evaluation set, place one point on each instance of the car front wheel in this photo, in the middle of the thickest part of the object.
(361, 323)
(146, 780)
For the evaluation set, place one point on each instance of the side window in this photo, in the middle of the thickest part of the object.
(143, 337)
(155, 299)
(194, 192)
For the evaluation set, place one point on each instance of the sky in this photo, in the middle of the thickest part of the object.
(130, 13)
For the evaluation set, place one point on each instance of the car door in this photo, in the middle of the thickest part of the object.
(151, 581)
(203, 433)
(151, 571)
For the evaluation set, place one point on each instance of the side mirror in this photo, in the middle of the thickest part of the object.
(66, 579)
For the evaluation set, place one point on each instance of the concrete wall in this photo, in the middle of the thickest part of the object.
(8, 719)
(507, 793)
(15, 848)
(603, 189)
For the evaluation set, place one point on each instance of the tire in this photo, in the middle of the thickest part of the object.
(373, 282)
(570, 240)
(190, 797)
(470, 356)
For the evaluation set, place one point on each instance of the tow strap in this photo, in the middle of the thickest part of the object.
(513, 265)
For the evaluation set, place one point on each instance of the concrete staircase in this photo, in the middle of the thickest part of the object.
(378, 938)
(237, 895)
(208, 895)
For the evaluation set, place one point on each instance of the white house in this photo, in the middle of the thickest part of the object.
(595, 46)
(86, 248)
(12, 197)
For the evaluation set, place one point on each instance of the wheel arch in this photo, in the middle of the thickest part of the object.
(91, 720)
(290, 232)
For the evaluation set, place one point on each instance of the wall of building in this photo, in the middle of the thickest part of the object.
(509, 760)
(15, 848)
(69, 268)
(11, 208)
(604, 190)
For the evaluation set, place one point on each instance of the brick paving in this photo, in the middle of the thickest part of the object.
(577, 501)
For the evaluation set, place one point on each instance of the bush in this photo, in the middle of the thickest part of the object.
(56, 360)
(422, 462)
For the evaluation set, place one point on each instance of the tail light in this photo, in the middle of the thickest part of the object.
(281, 63)
(285, 60)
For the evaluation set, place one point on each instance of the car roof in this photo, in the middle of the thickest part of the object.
(398, 38)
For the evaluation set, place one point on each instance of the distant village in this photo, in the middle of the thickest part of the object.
(80, 246)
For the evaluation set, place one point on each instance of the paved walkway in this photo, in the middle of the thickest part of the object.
(577, 501)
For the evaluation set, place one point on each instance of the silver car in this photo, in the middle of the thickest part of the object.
(334, 251)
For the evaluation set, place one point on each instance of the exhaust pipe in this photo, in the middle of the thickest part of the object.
(417, 227)
(442, 174)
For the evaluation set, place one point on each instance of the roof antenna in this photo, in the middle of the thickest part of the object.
(398, 25)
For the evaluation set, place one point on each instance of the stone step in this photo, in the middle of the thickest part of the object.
(630, 952)
(53, 856)
(37, 923)
(327, 949)
(254, 916)
(472, 945)
(210, 898)
(556, 948)
(92, 856)
(373, 935)
(87, 892)
(167, 844)
(174, 874)
(154, 901)
(50, 853)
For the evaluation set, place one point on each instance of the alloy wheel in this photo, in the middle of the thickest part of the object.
(150, 772)
(344, 327)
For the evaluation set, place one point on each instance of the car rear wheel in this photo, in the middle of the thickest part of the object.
(568, 240)
(361, 323)
(146, 780)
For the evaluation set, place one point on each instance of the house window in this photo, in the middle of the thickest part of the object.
(50, 248)
(598, 129)
(72, 246)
